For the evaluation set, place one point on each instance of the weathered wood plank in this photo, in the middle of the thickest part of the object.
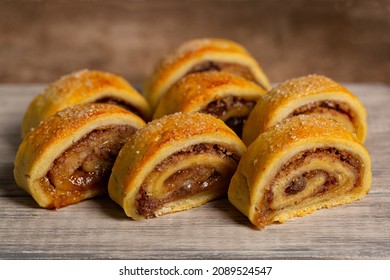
(99, 229)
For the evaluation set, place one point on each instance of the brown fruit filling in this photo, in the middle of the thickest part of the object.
(84, 168)
(187, 182)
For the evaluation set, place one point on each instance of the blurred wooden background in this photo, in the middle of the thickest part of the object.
(42, 40)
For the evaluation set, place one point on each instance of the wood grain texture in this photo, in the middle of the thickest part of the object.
(99, 229)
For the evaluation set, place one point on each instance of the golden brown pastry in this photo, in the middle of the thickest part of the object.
(202, 55)
(308, 95)
(298, 166)
(225, 96)
(175, 163)
(85, 86)
(69, 156)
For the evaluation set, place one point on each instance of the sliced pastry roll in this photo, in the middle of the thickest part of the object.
(308, 95)
(69, 156)
(226, 96)
(175, 163)
(202, 55)
(298, 166)
(85, 86)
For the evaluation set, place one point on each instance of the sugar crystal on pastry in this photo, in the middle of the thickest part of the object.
(308, 95)
(202, 55)
(69, 156)
(184, 160)
(80, 87)
(301, 164)
(224, 95)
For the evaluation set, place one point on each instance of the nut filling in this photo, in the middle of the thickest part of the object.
(232, 68)
(232, 109)
(324, 181)
(85, 166)
(187, 182)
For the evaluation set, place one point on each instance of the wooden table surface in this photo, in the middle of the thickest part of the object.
(99, 229)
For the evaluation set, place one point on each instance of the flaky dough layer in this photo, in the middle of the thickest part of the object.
(313, 94)
(298, 166)
(85, 86)
(44, 144)
(195, 91)
(159, 140)
(178, 63)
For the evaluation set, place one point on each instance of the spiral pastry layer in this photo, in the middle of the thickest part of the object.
(225, 96)
(175, 163)
(308, 95)
(84, 86)
(69, 156)
(298, 166)
(201, 55)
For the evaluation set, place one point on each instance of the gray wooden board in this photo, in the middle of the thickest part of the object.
(99, 229)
